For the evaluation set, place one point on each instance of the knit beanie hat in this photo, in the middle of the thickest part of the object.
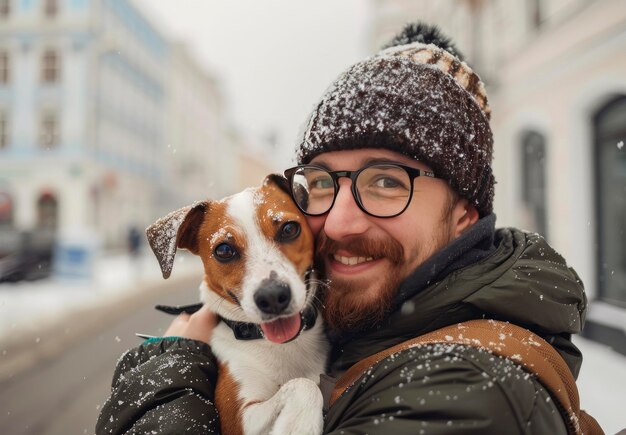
(416, 97)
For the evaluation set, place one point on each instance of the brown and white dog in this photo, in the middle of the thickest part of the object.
(257, 252)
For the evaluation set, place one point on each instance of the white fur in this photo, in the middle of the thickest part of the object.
(294, 409)
(265, 371)
(220, 306)
(262, 367)
(283, 376)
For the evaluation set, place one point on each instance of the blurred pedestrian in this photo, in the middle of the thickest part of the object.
(134, 241)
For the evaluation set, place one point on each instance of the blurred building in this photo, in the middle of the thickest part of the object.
(556, 78)
(200, 152)
(256, 161)
(104, 123)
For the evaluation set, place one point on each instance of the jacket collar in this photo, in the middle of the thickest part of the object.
(474, 245)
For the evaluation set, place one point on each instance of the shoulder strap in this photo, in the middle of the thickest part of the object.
(504, 339)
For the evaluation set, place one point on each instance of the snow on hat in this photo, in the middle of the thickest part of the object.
(416, 97)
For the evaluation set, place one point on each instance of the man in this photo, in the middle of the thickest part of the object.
(395, 175)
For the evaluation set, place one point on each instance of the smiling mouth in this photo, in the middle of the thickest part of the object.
(351, 261)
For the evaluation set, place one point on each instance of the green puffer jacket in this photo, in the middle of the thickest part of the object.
(167, 387)
(441, 389)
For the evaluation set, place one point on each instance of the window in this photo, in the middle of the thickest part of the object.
(6, 210)
(5, 8)
(4, 130)
(47, 211)
(610, 154)
(50, 8)
(534, 182)
(49, 131)
(50, 67)
(536, 17)
(4, 67)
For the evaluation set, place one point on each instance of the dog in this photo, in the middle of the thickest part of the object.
(257, 252)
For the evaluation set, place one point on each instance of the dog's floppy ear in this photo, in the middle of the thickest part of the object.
(179, 229)
(279, 181)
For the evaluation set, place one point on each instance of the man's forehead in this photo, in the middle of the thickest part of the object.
(358, 158)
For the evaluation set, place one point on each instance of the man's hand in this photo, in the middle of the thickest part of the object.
(197, 326)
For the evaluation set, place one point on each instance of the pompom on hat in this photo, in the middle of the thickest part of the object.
(416, 97)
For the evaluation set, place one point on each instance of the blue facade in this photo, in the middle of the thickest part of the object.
(139, 26)
(27, 5)
(79, 4)
(151, 87)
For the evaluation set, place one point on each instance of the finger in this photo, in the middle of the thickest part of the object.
(204, 316)
(178, 325)
(183, 318)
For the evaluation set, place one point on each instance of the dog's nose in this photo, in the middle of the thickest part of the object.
(273, 297)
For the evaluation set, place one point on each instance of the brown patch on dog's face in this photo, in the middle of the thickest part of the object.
(275, 211)
(223, 277)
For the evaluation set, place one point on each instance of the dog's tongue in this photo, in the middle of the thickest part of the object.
(282, 330)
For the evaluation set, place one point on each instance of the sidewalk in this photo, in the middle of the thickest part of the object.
(36, 317)
(602, 384)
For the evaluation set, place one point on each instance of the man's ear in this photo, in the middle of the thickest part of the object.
(281, 182)
(179, 229)
(464, 216)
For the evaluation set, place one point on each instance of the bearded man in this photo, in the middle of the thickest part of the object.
(395, 178)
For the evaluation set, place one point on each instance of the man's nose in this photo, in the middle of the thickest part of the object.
(345, 218)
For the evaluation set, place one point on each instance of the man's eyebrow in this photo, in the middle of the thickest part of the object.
(366, 162)
(322, 165)
(380, 161)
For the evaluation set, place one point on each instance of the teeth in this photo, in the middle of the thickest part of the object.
(351, 261)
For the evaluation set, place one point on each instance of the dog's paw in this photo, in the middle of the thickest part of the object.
(302, 409)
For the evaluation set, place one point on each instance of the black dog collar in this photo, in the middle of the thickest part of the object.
(252, 331)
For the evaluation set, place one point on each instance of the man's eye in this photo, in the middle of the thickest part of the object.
(387, 183)
(322, 183)
(224, 252)
(289, 231)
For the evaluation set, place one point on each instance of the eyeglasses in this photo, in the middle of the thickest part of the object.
(380, 190)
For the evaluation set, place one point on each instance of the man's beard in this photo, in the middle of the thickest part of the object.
(349, 304)
(354, 304)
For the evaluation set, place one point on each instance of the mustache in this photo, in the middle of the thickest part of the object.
(389, 248)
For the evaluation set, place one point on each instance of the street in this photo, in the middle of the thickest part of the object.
(63, 395)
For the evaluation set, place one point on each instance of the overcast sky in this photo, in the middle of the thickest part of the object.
(274, 58)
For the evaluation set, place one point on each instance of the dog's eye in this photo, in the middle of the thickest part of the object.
(224, 252)
(289, 231)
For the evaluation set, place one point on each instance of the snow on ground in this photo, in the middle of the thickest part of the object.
(27, 307)
(602, 384)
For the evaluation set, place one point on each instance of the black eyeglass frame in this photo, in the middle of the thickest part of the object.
(413, 173)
